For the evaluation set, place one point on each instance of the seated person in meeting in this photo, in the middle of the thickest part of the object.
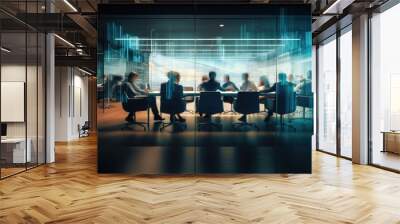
(172, 92)
(179, 96)
(247, 85)
(229, 85)
(204, 79)
(212, 84)
(263, 83)
(305, 86)
(132, 89)
(282, 82)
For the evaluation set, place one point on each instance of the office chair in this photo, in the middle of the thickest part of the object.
(83, 131)
(189, 99)
(247, 103)
(133, 105)
(305, 98)
(171, 107)
(210, 103)
(230, 100)
(285, 102)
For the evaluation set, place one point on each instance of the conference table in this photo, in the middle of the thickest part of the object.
(270, 95)
(223, 93)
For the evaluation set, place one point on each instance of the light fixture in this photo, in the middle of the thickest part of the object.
(84, 71)
(205, 39)
(221, 25)
(211, 50)
(70, 5)
(5, 50)
(335, 7)
(65, 41)
(212, 45)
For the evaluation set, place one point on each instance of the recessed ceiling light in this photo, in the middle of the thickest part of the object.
(70, 5)
(221, 25)
(5, 50)
(84, 71)
(65, 41)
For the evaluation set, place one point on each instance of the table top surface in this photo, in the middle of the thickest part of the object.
(391, 132)
(197, 93)
(12, 140)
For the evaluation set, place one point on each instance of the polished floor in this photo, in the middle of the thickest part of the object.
(386, 159)
(71, 191)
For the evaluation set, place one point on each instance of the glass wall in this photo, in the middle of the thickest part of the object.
(262, 53)
(385, 89)
(22, 93)
(346, 92)
(327, 96)
(335, 94)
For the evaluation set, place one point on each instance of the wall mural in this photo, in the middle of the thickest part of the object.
(186, 89)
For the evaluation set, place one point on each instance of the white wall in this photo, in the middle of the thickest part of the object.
(71, 102)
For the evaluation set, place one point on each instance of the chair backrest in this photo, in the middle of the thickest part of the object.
(248, 102)
(305, 101)
(306, 89)
(132, 104)
(210, 102)
(170, 106)
(135, 104)
(188, 99)
(285, 99)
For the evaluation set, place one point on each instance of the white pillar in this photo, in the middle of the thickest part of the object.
(360, 90)
(50, 92)
(50, 99)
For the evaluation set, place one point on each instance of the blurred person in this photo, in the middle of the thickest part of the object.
(263, 83)
(247, 85)
(212, 84)
(204, 79)
(305, 85)
(281, 84)
(229, 85)
(131, 88)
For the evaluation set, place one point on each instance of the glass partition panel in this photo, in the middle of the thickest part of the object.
(15, 149)
(32, 97)
(327, 96)
(41, 109)
(346, 94)
(385, 85)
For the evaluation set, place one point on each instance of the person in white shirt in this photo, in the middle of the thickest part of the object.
(247, 85)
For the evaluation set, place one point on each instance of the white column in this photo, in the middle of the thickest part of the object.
(360, 90)
(50, 99)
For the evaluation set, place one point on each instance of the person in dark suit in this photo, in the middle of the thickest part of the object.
(212, 84)
(172, 95)
(271, 103)
(131, 88)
